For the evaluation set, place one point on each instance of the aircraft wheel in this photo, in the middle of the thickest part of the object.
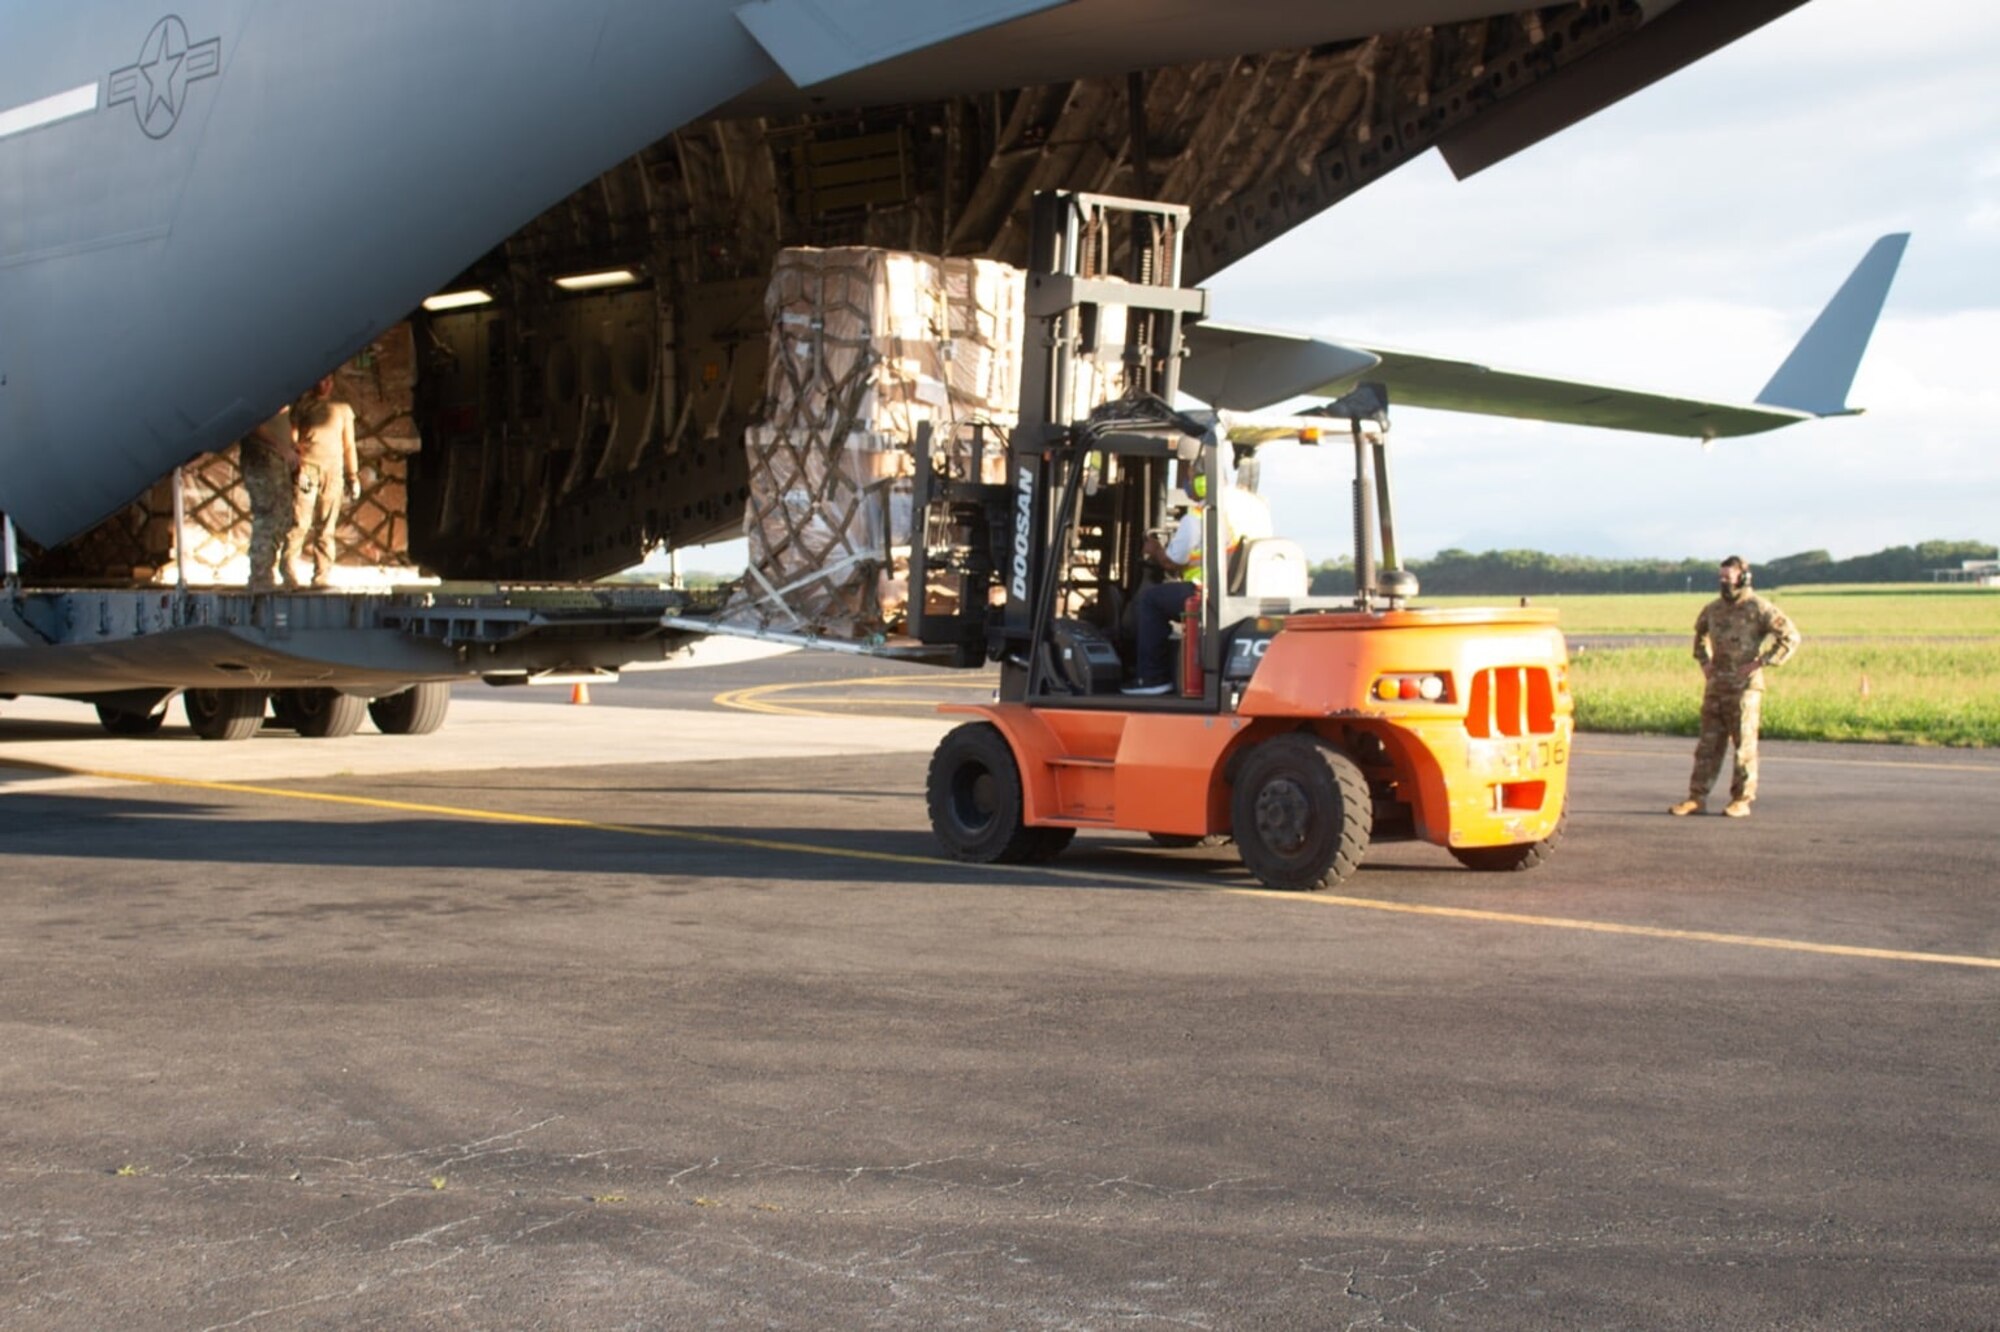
(418, 710)
(1301, 813)
(1183, 841)
(324, 714)
(974, 793)
(1513, 859)
(285, 710)
(224, 714)
(118, 721)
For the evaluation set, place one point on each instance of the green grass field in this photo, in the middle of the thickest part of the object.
(1905, 664)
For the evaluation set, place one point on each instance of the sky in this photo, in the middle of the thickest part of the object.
(1681, 240)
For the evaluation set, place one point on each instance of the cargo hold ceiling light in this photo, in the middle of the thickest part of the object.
(458, 300)
(612, 277)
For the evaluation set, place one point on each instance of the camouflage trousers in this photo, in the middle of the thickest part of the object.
(1729, 719)
(269, 483)
(316, 515)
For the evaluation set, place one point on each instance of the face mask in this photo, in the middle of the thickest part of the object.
(1731, 591)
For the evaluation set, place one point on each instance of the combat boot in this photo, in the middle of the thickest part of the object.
(1738, 809)
(1685, 808)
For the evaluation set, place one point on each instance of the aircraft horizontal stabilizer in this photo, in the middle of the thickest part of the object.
(1253, 370)
(817, 40)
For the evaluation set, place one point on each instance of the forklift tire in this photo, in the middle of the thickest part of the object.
(120, 722)
(1513, 859)
(974, 793)
(418, 710)
(323, 714)
(224, 714)
(1045, 844)
(1301, 813)
(1183, 841)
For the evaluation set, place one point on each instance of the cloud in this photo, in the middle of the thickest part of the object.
(1682, 241)
(1757, 171)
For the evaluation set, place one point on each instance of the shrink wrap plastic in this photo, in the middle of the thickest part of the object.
(866, 345)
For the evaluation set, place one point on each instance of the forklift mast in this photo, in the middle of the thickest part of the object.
(1096, 263)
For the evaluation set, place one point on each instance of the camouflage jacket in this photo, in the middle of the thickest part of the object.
(1731, 635)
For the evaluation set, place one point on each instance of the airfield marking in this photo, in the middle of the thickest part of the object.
(760, 698)
(1659, 932)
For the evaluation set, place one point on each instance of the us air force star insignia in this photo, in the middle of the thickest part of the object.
(157, 86)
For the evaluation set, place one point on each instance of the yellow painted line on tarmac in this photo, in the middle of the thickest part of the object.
(1659, 932)
(1639, 931)
(852, 701)
(1990, 769)
(462, 812)
(765, 698)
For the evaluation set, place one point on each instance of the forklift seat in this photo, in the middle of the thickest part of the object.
(1269, 568)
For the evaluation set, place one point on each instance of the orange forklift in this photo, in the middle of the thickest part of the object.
(1303, 727)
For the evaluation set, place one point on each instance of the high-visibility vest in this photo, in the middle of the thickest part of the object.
(1231, 539)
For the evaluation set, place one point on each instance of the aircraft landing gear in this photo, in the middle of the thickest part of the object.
(320, 714)
(418, 710)
(119, 721)
(224, 714)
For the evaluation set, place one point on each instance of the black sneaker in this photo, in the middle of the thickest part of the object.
(1141, 687)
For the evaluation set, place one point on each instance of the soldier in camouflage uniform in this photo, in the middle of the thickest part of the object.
(269, 461)
(1730, 637)
(328, 472)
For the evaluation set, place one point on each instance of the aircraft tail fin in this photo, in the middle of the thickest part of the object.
(1816, 376)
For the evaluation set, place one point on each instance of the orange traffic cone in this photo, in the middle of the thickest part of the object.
(579, 692)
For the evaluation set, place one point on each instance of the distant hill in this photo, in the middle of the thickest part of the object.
(1536, 573)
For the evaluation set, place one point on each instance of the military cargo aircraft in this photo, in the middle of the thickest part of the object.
(576, 207)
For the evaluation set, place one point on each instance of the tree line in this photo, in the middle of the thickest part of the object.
(1537, 573)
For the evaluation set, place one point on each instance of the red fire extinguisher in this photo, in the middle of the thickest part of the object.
(1191, 681)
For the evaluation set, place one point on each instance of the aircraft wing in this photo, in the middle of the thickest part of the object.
(1252, 370)
(1416, 380)
(1243, 369)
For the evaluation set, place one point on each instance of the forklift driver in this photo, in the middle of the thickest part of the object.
(1245, 516)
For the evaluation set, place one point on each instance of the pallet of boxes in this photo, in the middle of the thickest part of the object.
(867, 345)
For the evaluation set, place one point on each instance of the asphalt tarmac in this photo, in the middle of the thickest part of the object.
(578, 1017)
